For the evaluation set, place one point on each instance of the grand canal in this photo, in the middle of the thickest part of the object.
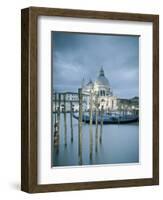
(119, 144)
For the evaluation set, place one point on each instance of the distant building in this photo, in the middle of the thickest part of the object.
(69, 97)
(129, 104)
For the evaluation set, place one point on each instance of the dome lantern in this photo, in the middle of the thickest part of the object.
(101, 72)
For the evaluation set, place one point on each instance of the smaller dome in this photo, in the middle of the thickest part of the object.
(89, 84)
(87, 88)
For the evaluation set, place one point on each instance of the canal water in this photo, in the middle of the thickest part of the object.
(119, 144)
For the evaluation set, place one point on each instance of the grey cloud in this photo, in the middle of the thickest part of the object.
(81, 55)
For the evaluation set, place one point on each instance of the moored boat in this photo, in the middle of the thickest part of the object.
(111, 118)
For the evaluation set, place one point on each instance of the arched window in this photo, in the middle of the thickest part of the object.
(112, 104)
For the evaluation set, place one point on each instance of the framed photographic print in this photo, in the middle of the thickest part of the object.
(90, 99)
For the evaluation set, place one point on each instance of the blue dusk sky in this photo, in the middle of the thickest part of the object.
(76, 56)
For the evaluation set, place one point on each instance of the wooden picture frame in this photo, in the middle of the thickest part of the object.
(29, 110)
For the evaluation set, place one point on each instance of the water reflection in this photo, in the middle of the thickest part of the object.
(109, 144)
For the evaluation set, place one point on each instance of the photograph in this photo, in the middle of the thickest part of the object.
(95, 99)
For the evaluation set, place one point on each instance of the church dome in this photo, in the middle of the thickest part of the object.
(102, 80)
(88, 87)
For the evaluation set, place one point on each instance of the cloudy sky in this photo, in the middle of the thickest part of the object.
(76, 56)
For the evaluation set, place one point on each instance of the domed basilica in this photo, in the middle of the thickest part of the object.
(101, 91)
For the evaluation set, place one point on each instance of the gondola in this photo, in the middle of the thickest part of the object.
(111, 118)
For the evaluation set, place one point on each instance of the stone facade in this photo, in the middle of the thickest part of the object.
(102, 96)
(102, 92)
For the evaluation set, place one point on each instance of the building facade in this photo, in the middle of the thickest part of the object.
(101, 94)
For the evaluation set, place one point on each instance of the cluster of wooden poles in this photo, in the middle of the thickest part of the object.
(98, 136)
(57, 119)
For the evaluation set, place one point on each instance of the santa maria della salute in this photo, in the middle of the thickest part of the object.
(100, 93)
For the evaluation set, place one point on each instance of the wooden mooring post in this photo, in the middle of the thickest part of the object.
(80, 126)
(56, 137)
(97, 112)
(65, 120)
(59, 112)
(55, 106)
(56, 125)
(90, 125)
(101, 123)
(71, 120)
(55, 133)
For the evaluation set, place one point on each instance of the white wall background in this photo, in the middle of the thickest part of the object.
(10, 98)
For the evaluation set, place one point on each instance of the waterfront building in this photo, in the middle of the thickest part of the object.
(102, 97)
(66, 98)
(101, 91)
(129, 105)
